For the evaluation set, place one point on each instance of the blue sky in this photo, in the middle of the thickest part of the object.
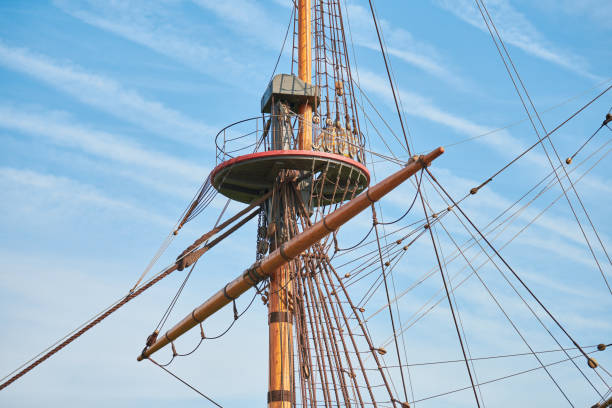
(108, 112)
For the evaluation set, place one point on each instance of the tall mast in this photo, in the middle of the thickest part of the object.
(305, 70)
(280, 318)
(307, 166)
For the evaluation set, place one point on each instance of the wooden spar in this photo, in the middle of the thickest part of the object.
(607, 403)
(290, 250)
(280, 321)
(305, 71)
(280, 337)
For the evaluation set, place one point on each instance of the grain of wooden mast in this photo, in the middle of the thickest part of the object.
(305, 71)
(280, 321)
(290, 250)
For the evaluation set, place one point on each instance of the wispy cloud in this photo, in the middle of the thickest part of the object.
(52, 190)
(517, 30)
(555, 233)
(166, 182)
(40, 293)
(106, 94)
(416, 105)
(596, 10)
(248, 18)
(54, 127)
(148, 24)
(401, 44)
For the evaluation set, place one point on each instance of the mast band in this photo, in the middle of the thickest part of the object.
(281, 395)
(279, 317)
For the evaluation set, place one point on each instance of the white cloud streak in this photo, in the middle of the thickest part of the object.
(56, 129)
(416, 105)
(47, 188)
(596, 10)
(106, 94)
(518, 31)
(147, 24)
(556, 234)
(249, 18)
(400, 44)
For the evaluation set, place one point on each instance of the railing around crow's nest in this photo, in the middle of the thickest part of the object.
(280, 132)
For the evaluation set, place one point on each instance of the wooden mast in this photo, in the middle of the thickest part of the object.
(305, 70)
(280, 332)
(280, 317)
(280, 320)
(277, 265)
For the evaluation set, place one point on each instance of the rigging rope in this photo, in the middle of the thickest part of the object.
(88, 326)
(480, 266)
(509, 125)
(291, 17)
(184, 218)
(599, 347)
(514, 236)
(507, 265)
(206, 337)
(524, 152)
(514, 326)
(500, 378)
(185, 383)
(501, 42)
(107, 312)
(384, 55)
(450, 303)
(166, 314)
(384, 274)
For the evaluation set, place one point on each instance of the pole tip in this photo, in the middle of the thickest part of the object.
(429, 157)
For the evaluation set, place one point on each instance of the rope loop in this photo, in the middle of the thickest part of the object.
(227, 294)
(194, 318)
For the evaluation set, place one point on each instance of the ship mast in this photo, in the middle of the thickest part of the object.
(305, 69)
(280, 319)
(306, 167)
(305, 173)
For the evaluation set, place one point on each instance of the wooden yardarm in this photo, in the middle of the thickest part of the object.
(290, 250)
